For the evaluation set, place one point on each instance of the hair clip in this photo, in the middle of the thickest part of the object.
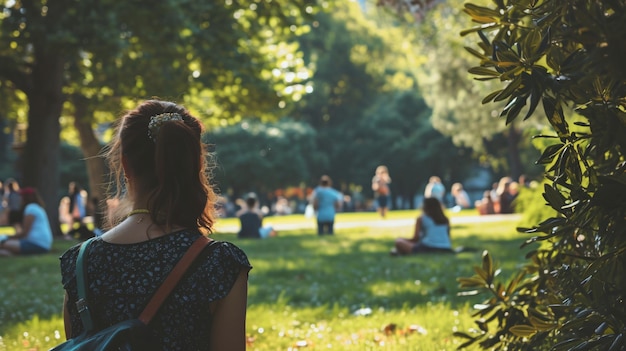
(157, 121)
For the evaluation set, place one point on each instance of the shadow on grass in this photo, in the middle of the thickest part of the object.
(352, 269)
(307, 270)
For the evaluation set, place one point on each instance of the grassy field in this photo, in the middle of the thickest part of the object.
(342, 292)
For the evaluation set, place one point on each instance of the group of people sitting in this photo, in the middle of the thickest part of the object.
(500, 199)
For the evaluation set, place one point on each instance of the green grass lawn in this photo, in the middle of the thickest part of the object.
(306, 292)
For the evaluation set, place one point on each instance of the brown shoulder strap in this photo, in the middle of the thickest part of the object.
(173, 278)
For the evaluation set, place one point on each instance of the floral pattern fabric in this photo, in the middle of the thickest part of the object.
(122, 278)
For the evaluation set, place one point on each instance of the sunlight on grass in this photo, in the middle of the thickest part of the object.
(306, 292)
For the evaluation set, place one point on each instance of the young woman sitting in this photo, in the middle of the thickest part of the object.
(432, 232)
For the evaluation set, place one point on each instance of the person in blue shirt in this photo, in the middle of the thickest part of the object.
(35, 235)
(432, 231)
(326, 201)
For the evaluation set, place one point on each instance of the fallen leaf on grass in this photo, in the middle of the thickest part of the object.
(414, 328)
(390, 329)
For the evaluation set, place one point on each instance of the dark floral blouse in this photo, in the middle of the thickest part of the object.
(123, 277)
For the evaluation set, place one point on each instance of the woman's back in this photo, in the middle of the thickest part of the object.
(250, 225)
(123, 277)
(435, 235)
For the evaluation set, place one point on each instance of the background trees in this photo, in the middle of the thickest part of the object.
(262, 157)
(82, 53)
(367, 107)
(342, 64)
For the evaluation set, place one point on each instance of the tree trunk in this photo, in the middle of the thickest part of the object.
(41, 152)
(515, 162)
(90, 147)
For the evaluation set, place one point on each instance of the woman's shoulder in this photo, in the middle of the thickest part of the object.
(229, 253)
(428, 219)
(33, 208)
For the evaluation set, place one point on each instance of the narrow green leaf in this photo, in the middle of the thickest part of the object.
(481, 11)
(549, 153)
(515, 110)
(471, 282)
(531, 43)
(476, 53)
(617, 343)
(483, 71)
(487, 263)
(510, 89)
(523, 330)
(490, 97)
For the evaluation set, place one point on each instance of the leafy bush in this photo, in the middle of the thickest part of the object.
(556, 54)
(531, 204)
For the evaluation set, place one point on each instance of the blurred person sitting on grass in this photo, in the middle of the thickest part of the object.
(432, 232)
(251, 220)
(34, 236)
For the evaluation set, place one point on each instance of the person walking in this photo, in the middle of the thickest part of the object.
(326, 201)
(380, 186)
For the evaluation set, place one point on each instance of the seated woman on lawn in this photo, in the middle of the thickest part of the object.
(432, 231)
(35, 234)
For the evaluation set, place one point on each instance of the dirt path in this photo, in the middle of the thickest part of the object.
(377, 223)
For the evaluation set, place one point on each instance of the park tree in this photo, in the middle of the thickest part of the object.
(548, 56)
(447, 86)
(397, 128)
(79, 54)
(363, 78)
(263, 157)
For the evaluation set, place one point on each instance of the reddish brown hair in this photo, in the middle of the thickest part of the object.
(172, 169)
(29, 196)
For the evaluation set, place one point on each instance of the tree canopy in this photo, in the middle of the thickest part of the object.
(262, 157)
(233, 52)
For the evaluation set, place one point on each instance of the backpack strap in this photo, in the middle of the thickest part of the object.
(81, 285)
(174, 277)
(157, 299)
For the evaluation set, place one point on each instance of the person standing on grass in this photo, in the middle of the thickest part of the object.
(326, 201)
(380, 185)
(159, 164)
(431, 234)
(34, 236)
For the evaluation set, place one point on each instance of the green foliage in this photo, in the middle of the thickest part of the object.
(550, 55)
(72, 168)
(265, 156)
(396, 130)
(441, 73)
(92, 57)
(531, 204)
(366, 107)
